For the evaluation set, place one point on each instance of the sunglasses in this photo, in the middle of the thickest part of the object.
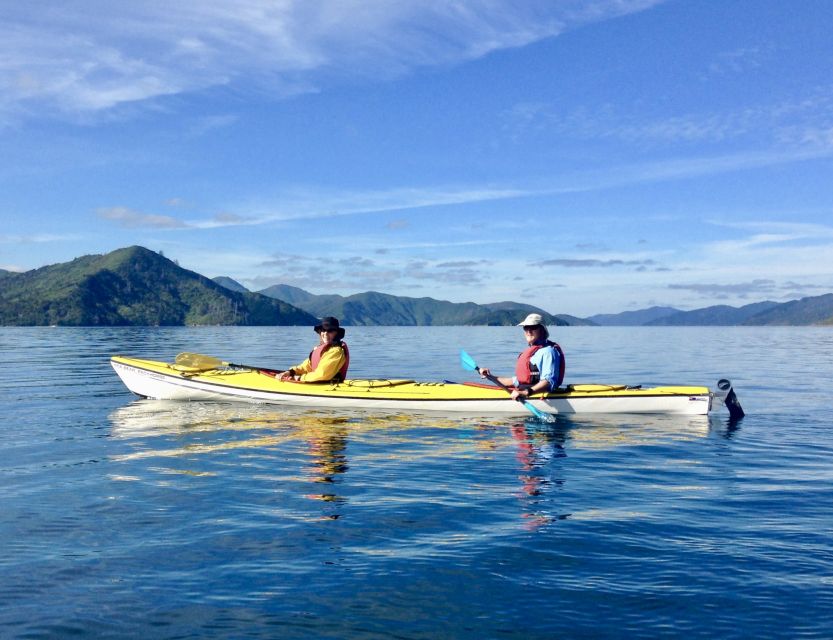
(328, 331)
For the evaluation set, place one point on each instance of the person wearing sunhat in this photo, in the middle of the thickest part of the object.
(328, 361)
(540, 367)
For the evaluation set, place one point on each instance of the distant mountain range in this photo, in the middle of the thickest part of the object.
(633, 318)
(815, 310)
(374, 308)
(136, 286)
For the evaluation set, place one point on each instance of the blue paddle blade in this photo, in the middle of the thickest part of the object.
(467, 361)
(542, 416)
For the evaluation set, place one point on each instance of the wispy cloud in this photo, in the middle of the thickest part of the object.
(582, 263)
(133, 219)
(315, 203)
(37, 238)
(359, 273)
(136, 219)
(202, 126)
(768, 235)
(93, 55)
(802, 121)
(737, 61)
(761, 286)
(318, 203)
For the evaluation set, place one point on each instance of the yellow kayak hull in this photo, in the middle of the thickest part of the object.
(167, 381)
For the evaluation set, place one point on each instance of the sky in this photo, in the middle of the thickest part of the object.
(583, 156)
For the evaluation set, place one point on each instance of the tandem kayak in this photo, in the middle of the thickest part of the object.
(171, 381)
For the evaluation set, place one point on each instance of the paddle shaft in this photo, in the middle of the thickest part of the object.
(206, 363)
(521, 399)
(248, 366)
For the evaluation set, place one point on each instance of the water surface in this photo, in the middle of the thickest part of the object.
(128, 518)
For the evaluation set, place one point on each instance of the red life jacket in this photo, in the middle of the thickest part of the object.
(527, 373)
(315, 358)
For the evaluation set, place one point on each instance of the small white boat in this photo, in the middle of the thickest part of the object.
(171, 381)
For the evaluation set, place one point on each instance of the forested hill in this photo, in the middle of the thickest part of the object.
(718, 315)
(132, 286)
(374, 308)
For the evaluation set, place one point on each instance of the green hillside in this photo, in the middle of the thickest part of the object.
(132, 286)
(229, 283)
(811, 310)
(373, 309)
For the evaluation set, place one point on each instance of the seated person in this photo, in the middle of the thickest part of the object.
(540, 367)
(328, 361)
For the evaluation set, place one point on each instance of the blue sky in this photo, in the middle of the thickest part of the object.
(584, 156)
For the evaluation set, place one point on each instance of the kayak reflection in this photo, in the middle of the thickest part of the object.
(318, 448)
(324, 436)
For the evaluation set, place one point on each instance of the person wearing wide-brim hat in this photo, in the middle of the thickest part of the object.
(328, 361)
(540, 367)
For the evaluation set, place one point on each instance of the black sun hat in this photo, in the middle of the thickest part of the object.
(327, 324)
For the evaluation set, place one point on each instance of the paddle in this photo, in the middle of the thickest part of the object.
(470, 365)
(204, 363)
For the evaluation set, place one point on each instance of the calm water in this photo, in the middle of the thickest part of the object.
(140, 519)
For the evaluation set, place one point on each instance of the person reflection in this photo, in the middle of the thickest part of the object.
(537, 451)
(327, 442)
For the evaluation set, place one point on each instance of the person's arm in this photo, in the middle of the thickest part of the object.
(541, 385)
(509, 382)
(297, 370)
(328, 367)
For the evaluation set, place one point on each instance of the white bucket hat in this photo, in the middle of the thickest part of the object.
(531, 320)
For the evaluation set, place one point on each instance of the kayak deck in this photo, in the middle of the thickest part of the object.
(165, 381)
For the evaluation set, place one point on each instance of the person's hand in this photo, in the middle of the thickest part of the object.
(520, 393)
(287, 375)
(484, 372)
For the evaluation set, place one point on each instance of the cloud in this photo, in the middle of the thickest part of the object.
(769, 235)
(37, 238)
(225, 219)
(459, 276)
(593, 263)
(135, 219)
(803, 121)
(317, 203)
(211, 123)
(355, 261)
(357, 273)
(460, 264)
(738, 61)
(284, 261)
(94, 55)
(797, 286)
(761, 286)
